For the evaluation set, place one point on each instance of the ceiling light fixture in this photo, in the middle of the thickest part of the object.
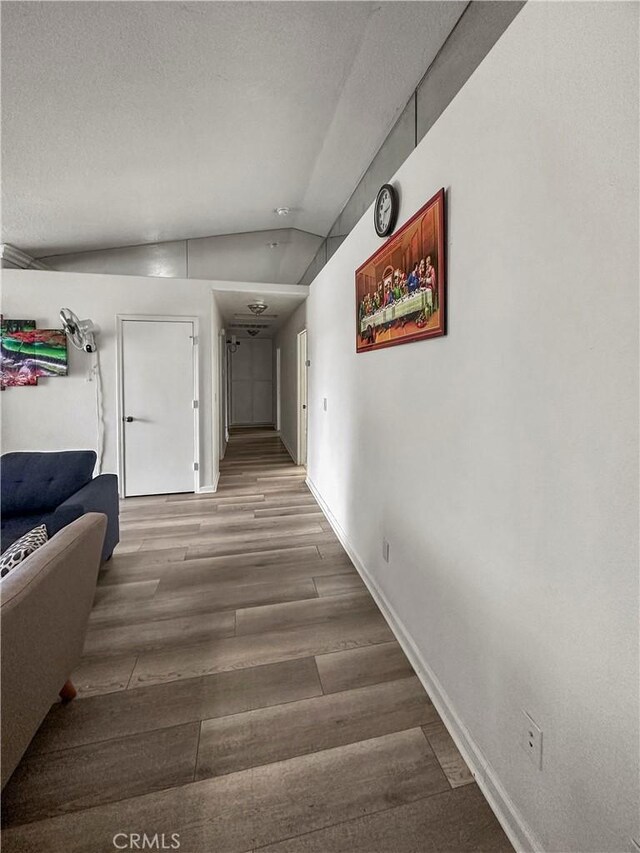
(283, 211)
(257, 307)
(273, 245)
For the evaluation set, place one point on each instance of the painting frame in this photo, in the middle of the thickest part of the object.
(393, 305)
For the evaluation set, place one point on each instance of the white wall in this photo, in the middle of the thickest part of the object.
(286, 339)
(501, 461)
(60, 413)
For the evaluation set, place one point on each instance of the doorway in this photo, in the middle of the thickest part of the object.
(303, 411)
(158, 405)
(251, 369)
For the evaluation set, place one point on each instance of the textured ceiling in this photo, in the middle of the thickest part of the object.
(136, 122)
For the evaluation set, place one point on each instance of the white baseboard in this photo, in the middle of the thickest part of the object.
(207, 490)
(517, 830)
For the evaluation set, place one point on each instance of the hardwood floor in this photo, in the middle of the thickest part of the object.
(240, 688)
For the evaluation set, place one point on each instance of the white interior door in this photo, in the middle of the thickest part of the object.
(252, 382)
(157, 380)
(303, 410)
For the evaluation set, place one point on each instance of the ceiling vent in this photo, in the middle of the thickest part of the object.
(247, 326)
(252, 316)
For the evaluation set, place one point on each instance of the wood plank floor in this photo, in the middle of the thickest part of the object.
(239, 687)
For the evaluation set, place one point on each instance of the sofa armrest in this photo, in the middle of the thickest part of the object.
(60, 518)
(45, 608)
(99, 495)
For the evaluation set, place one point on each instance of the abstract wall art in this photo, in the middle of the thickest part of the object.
(27, 353)
(50, 349)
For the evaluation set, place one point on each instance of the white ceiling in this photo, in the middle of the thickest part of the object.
(281, 300)
(137, 122)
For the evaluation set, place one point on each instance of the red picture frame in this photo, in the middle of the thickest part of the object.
(401, 291)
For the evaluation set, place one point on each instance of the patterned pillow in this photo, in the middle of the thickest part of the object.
(21, 548)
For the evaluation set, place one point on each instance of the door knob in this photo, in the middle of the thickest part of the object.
(128, 419)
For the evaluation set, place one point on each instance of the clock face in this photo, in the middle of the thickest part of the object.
(385, 210)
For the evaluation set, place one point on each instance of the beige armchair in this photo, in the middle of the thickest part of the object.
(44, 607)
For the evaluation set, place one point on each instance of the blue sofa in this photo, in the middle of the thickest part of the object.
(54, 489)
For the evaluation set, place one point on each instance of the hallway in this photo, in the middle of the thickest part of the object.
(240, 688)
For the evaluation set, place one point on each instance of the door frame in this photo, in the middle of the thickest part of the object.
(156, 318)
(223, 428)
(278, 421)
(302, 371)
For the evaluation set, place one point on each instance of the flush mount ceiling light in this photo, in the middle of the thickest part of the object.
(273, 245)
(283, 211)
(257, 307)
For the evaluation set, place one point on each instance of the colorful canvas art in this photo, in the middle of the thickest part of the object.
(401, 289)
(27, 353)
(50, 349)
(16, 366)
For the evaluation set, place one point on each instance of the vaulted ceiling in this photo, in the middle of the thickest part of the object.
(126, 123)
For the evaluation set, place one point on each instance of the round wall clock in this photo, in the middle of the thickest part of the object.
(385, 210)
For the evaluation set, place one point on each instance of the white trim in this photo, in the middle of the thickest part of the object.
(222, 394)
(287, 448)
(278, 389)
(156, 318)
(261, 288)
(208, 490)
(301, 370)
(516, 828)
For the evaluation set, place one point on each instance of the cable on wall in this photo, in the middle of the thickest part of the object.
(82, 334)
(95, 375)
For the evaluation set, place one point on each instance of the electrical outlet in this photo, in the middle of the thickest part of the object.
(324, 403)
(385, 550)
(532, 740)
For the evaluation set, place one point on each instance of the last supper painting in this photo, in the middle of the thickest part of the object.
(401, 289)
